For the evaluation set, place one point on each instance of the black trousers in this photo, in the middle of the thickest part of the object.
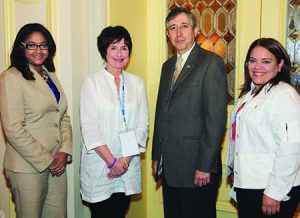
(114, 207)
(249, 203)
(197, 202)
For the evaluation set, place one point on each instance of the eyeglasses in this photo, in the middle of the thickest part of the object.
(182, 27)
(33, 46)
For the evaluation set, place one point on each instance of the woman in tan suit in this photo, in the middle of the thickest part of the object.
(33, 111)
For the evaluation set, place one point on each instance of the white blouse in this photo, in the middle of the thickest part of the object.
(101, 121)
(266, 151)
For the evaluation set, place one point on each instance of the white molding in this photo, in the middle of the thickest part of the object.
(9, 28)
(97, 19)
(28, 1)
(273, 19)
(248, 28)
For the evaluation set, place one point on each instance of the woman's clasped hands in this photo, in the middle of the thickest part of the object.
(118, 167)
(58, 165)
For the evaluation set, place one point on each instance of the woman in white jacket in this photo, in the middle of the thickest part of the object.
(264, 142)
(113, 106)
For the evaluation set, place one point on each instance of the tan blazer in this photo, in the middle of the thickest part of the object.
(36, 126)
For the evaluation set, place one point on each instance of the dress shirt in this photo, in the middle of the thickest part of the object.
(101, 122)
(185, 56)
(52, 85)
(267, 146)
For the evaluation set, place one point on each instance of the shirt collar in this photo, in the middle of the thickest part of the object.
(109, 75)
(186, 54)
(34, 71)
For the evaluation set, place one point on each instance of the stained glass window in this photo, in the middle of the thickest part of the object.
(216, 20)
(293, 40)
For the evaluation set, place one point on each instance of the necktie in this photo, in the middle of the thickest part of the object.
(177, 68)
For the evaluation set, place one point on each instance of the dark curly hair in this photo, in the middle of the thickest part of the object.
(111, 35)
(17, 56)
(276, 48)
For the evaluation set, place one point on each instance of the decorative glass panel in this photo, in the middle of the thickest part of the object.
(217, 31)
(293, 40)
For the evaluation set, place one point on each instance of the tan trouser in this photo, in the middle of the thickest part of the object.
(39, 195)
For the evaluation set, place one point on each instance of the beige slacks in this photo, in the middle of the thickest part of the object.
(39, 195)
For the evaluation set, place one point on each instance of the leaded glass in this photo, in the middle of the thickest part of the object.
(293, 40)
(217, 31)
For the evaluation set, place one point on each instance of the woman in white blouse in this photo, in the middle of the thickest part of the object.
(264, 142)
(113, 106)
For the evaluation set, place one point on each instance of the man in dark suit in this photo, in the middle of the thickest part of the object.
(189, 123)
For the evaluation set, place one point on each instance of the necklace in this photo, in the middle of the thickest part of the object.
(45, 76)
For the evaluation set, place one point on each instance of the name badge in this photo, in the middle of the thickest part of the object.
(129, 143)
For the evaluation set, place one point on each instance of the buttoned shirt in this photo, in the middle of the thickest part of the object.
(266, 149)
(101, 122)
(185, 56)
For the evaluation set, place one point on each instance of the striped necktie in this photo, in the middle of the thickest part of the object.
(177, 68)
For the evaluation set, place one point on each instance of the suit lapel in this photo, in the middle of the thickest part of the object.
(167, 76)
(187, 68)
(58, 86)
(43, 87)
(169, 72)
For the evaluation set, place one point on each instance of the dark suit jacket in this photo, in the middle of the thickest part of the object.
(190, 119)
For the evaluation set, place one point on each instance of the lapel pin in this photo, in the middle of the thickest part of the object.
(188, 66)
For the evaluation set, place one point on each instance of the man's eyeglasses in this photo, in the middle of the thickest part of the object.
(182, 27)
(33, 46)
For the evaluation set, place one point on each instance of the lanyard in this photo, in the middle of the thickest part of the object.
(239, 109)
(122, 100)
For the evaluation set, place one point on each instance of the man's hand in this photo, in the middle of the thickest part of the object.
(201, 178)
(230, 179)
(270, 206)
(154, 167)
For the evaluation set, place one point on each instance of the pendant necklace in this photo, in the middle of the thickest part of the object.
(45, 76)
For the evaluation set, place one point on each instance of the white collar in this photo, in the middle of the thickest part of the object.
(186, 54)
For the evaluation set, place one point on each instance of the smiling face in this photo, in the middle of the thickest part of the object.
(117, 56)
(36, 57)
(183, 35)
(263, 66)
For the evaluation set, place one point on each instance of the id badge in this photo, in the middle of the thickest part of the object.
(129, 143)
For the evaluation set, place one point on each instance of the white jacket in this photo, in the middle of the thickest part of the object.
(101, 122)
(266, 151)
